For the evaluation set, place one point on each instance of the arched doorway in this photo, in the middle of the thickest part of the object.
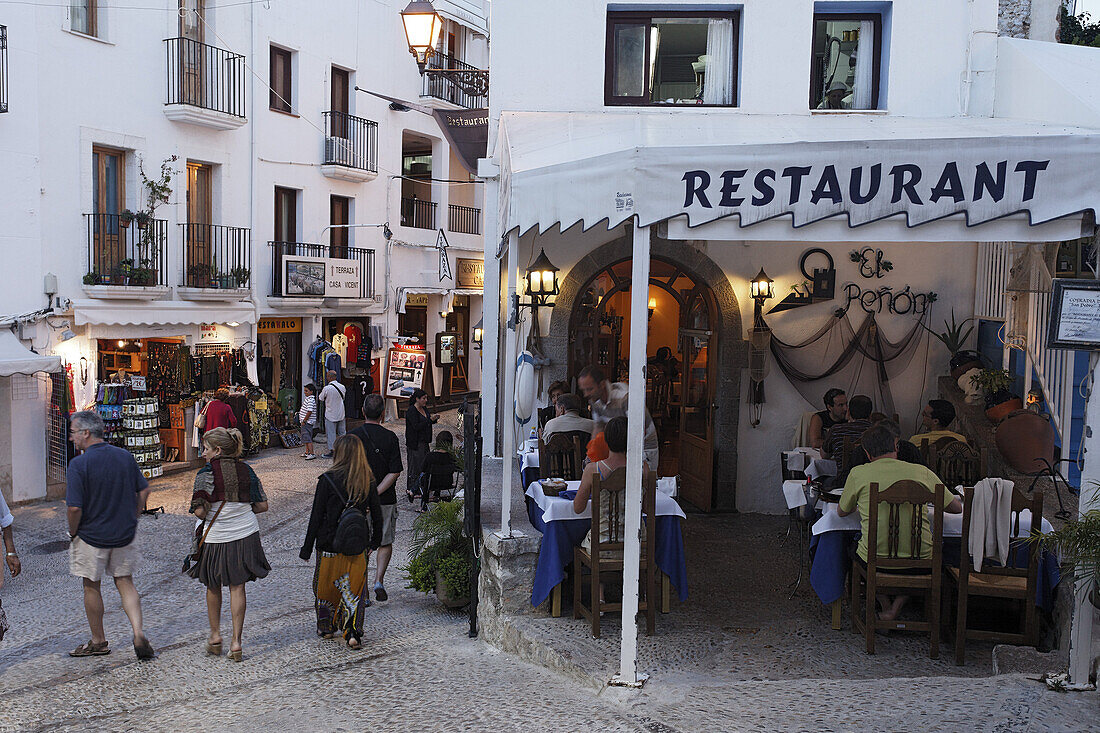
(693, 387)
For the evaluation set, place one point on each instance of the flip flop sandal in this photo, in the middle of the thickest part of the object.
(144, 650)
(214, 650)
(89, 649)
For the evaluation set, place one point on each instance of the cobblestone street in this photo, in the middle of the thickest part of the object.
(418, 670)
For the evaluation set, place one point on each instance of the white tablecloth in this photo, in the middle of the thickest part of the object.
(556, 509)
(669, 485)
(952, 523)
(821, 467)
(799, 458)
(529, 459)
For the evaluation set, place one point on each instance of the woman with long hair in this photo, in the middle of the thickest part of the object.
(418, 438)
(227, 497)
(340, 585)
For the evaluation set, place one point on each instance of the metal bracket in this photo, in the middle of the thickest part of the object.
(474, 82)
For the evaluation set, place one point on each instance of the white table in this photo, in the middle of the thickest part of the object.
(556, 509)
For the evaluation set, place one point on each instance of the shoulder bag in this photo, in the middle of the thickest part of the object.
(199, 540)
(200, 419)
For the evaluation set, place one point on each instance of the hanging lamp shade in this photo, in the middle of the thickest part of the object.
(422, 27)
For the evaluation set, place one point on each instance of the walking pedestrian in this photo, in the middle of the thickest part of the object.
(384, 457)
(307, 416)
(218, 412)
(105, 494)
(418, 438)
(11, 557)
(333, 398)
(227, 497)
(340, 587)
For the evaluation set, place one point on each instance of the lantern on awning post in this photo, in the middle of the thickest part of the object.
(759, 344)
(422, 27)
(542, 281)
(479, 335)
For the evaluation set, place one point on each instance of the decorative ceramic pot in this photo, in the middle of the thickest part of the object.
(1025, 437)
(1003, 409)
(964, 361)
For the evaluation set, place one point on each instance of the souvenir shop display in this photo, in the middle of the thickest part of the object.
(109, 405)
(140, 418)
(407, 369)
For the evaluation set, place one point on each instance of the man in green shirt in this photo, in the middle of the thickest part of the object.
(881, 445)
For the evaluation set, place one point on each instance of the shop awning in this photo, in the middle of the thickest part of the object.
(592, 168)
(106, 313)
(15, 358)
(448, 294)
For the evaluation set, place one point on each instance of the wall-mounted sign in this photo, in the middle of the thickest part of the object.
(871, 262)
(279, 325)
(822, 282)
(405, 368)
(137, 383)
(1074, 315)
(321, 277)
(416, 300)
(208, 332)
(471, 273)
(446, 348)
(441, 244)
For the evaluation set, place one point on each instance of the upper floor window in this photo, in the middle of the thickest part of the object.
(84, 17)
(845, 68)
(281, 81)
(671, 58)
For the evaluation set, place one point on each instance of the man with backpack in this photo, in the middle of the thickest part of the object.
(384, 457)
(332, 396)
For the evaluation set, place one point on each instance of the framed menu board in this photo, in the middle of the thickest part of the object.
(406, 370)
(1074, 315)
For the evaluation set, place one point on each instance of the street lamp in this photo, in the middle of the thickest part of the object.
(761, 290)
(422, 27)
(542, 281)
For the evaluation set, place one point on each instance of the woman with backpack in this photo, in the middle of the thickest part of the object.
(345, 524)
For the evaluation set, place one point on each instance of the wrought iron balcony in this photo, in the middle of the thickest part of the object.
(305, 269)
(216, 257)
(206, 84)
(125, 252)
(457, 82)
(418, 213)
(350, 143)
(3, 68)
(463, 219)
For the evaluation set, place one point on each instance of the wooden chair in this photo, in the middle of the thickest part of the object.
(957, 463)
(562, 457)
(916, 496)
(927, 449)
(606, 556)
(1011, 583)
(544, 415)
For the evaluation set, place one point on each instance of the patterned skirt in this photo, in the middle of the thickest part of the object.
(341, 594)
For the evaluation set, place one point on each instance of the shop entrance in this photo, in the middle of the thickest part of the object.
(680, 371)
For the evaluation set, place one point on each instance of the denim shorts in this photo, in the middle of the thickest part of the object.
(307, 432)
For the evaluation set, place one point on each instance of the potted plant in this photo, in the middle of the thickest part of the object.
(996, 385)
(125, 269)
(125, 218)
(953, 337)
(201, 275)
(93, 278)
(142, 218)
(240, 276)
(440, 555)
(142, 276)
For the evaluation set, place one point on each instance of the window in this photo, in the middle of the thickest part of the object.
(108, 181)
(281, 83)
(845, 66)
(286, 214)
(83, 17)
(671, 58)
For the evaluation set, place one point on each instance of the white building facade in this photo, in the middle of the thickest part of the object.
(276, 165)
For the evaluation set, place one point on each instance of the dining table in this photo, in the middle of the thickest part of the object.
(563, 529)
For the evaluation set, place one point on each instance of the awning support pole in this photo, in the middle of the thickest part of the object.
(509, 410)
(1080, 630)
(639, 312)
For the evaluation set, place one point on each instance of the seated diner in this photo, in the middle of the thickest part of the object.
(936, 419)
(615, 434)
(881, 446)
(568, 419)
(859, 419)
(836, 411)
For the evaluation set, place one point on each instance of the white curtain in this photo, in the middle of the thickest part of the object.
(718, 84)
(865, 60)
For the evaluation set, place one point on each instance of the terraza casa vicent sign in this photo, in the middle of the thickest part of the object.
(876, 186)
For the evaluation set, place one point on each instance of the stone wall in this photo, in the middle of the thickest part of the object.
(1014, 18)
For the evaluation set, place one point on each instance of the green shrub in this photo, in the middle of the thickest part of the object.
(455, 571)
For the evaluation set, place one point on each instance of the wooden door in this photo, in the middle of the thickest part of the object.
(458, 320)
(339, 217)
(200, 259)
(191, 49)
(340, 103)
(697, 355)
(108, 200)
(285, 231)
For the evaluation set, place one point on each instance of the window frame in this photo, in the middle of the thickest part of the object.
(634, 17)
(91, 10)
(287, 87)
(876, 75)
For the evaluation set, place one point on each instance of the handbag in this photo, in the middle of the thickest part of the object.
(200, 419)
(199, 541)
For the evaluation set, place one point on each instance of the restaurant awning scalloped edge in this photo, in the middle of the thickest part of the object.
(106, 313)
(561, 169)
(15, 358)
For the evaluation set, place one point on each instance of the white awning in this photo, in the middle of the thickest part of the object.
(15, 358)
(607, 167)
(107, 313)
(463, 13)
(448, 294)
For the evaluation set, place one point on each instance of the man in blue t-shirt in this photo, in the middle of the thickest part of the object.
(105, 494)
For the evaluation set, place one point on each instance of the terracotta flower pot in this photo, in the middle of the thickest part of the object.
(1001, 411)
(1023, 438)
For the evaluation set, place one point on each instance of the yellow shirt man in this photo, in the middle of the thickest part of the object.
(885, 472)
(933, 435)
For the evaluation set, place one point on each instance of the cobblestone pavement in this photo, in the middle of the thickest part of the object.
(417, 671)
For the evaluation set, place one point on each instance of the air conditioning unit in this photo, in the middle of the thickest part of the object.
(340, 151)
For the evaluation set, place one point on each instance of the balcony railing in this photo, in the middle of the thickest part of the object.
(463, 219)
(350, 141)
(418, 213)
(462, 84)
(216, 256)
(3, 68)
(298, 261)
(205, 76)
(121, 253)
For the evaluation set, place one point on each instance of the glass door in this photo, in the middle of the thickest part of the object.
(697, 405)
(108, 196)
(201, 269)
(192, 57)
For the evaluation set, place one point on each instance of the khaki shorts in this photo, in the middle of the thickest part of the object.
(94, 563)
(389, 524)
